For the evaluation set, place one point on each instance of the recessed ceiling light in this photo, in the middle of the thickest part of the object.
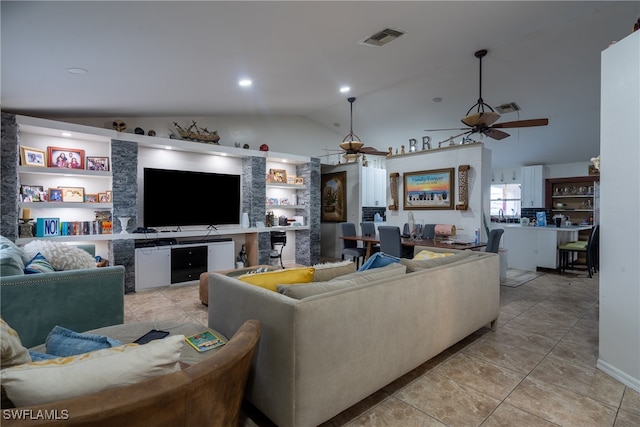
(167, 147)
(245, 82)
(436, 99)
(66, 134)
(345, 89)
(75, 70)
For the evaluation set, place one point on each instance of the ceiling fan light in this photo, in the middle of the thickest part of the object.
(351, 145)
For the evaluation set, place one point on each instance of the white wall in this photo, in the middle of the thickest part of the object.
(475, 155)
(619, 212)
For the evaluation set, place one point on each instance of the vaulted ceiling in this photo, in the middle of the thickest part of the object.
(162, 58)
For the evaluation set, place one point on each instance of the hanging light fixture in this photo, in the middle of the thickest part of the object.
(351, 143)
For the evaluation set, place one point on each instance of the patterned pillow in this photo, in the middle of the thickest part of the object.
(430, 255)
(38, 264)
(61, 256)
(46, 381)
(271, 279)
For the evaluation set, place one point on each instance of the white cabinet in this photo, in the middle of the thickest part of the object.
(533, 186)
(373, 186)
(158, 266)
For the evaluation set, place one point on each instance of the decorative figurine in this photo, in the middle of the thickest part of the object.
(151, 132)
(402, 149)
(119, 125)
(139, 131)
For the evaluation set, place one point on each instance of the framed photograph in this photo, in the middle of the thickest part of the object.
(279, 175)
(432, 189)
(91, 198)
(72, 194)
(32, 193)
(109, 195)
(333, 189)
(55, 195)
(32, 157)
(97, 163)
(102, 197)
(291, 179)
(299, 180)
(70, 158)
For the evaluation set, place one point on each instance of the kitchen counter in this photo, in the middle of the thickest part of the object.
(532, 247)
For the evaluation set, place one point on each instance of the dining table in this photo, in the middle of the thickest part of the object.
(370, 241)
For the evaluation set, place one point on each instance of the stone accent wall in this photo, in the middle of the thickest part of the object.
(253, 188)
(124, 167)
(10, 185)
(308, 241)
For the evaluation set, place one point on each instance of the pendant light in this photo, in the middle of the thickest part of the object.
(351, 143)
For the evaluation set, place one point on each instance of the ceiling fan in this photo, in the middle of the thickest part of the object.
(352, 145)
(483, 122)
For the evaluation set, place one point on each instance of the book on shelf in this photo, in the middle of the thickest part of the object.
(204, 341)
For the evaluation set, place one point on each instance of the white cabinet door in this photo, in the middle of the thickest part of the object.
(373, 186)
(533, 186)
(153, 267)
(380, 187)
(221, 256)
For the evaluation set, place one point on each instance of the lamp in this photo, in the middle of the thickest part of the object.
(351, 143)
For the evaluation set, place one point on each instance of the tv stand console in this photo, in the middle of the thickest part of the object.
(165, 265)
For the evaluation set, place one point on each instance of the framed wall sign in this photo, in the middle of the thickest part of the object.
(431, 189)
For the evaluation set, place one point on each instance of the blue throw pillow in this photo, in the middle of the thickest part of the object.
(63, 342)
(377, 260)
(38, 264)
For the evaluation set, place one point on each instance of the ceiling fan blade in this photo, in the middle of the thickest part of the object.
(484, 118)
(437, 130)
(495, 134)
(522, 123)
(372, 151)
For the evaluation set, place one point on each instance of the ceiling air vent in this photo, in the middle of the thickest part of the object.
(383, 37)
(507, 108)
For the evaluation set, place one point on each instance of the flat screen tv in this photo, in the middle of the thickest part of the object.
(175, 198)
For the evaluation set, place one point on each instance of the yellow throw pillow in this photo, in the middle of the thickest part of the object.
(271, 279)
(430, 255)
(37, 383)
(13, 352)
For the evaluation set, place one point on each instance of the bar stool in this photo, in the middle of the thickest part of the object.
(278, 238)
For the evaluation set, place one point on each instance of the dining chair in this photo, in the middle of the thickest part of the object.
(391, 242)
(350, 247)
(493, 243)
(369, 229)
(589, 248)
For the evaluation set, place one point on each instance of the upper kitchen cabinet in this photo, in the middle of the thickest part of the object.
(373, 182)
(533, 186)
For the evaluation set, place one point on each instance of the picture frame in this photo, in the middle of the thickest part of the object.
(91, 198)
(72, 194)
(291, 179)
(55, 195)
(102, 197)
(109, 195)
(299, 180)
(69, 158)
(32, 193)
(429, 189)
(278, 175)
(97, 163)
(333, 187)
(33, 157)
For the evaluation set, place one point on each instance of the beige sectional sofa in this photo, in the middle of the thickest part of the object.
(321, 354)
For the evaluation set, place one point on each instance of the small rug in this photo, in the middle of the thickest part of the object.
(517, 277)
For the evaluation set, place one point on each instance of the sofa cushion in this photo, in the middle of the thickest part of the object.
(271, 279)
(424, 254)
(36, 383)
(12, 351)
(304, 290)
(12, 258)
(63, 342)
(61, 256)
(38, 264)
(417, 265)
(360, 277)
(330, 270)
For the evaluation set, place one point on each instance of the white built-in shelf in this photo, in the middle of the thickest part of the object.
(287, 186)
(64, 172)
(286, 206)
(65, 205)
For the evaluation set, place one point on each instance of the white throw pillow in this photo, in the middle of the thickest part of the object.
(60, 255)
(13, 353)
(37, 383)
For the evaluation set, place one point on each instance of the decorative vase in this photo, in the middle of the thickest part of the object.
(124, 222)
(245, 220)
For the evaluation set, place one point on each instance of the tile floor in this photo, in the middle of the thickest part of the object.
(537, 369)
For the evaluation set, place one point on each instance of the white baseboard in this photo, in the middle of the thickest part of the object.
(616, 373)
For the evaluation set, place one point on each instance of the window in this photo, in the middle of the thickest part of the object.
(505, 197)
